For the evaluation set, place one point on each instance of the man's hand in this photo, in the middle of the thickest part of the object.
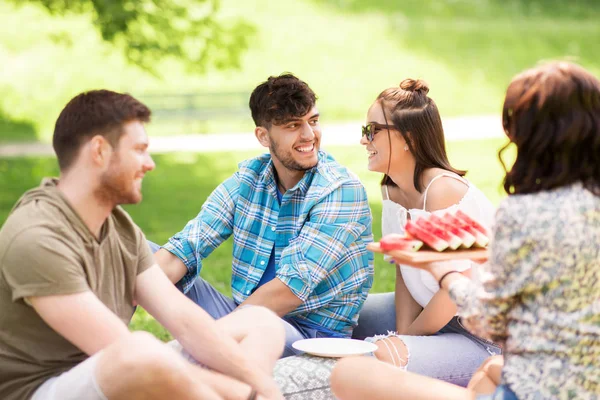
(276, 296)
(198, 332)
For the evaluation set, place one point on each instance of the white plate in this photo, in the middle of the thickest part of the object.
(334, 347)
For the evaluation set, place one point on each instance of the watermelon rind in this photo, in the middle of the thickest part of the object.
(427, 237)
(454, 241)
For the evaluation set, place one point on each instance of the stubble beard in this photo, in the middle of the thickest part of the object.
(116, 187)
(286, 159)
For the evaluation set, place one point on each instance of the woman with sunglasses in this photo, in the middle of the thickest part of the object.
(405, 141)
(539, 294)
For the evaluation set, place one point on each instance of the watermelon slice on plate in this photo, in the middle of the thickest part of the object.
(396, 241)
(481, 240)
(466, 238)
(470, 221)
(454, 241)
(426, 236)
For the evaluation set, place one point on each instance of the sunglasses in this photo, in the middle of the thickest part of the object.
(372, 128)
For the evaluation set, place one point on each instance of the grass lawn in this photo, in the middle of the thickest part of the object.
(175, 191)
(347, 50)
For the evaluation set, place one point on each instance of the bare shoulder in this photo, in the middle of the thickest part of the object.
(445, 192)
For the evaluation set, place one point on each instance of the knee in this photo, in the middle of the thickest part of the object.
(341, 375)
(492, 363)
(392, 350)
(492, 368)
(346, 376)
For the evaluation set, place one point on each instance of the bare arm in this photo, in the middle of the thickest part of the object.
(407, 309)
(82, 319)
(197, 332)
(171, 265)
(276, 296)
(443, 193)
(438, 312)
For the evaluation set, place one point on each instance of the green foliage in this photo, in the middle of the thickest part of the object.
(347, 50)
(151, 30)
(175, 191)
(16, 130)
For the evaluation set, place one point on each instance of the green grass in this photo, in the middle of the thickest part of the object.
(175, 191)
(348, 51)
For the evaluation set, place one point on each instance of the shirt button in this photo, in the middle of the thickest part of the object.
(247, 292)
(273, 228)
(262, 262)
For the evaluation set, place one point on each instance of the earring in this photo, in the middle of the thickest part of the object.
(405, 147)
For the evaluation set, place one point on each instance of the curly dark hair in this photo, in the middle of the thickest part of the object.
(552, 114)
(97, 112)
(279, 99)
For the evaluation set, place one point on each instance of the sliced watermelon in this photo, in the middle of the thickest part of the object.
(466, 238)
(470, 221)
(426, 236)
(395, 241)
(481, 240)
(454, 242)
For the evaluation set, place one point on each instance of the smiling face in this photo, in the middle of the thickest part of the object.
(294, 144)
(121, 183)
(379, 148)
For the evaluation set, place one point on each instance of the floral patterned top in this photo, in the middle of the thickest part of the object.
(539, 295)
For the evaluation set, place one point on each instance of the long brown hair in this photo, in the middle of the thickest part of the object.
(552, 114)
(417, 118)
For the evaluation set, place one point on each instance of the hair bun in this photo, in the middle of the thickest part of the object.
(413, 85)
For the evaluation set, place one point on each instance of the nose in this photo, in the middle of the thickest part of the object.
(307, 132)
(149, 164)
(364, 141)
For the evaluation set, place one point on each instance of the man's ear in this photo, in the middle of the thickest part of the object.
(262, 134)
(100, 150)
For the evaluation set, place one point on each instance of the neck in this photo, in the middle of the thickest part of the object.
(78, 189)
(285, 178)
(403, 177)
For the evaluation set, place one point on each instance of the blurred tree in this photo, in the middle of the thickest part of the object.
(151, 30)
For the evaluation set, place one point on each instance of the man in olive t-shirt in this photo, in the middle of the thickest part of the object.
(73, 265)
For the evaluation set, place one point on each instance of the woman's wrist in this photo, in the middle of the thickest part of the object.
(446, 276)
(439, 269)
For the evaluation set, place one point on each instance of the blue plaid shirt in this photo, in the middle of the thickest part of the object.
(320, 232)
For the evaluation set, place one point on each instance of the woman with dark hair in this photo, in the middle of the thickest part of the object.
(539, 294)
(405, 141)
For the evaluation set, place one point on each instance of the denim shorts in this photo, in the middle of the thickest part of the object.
(502, 392)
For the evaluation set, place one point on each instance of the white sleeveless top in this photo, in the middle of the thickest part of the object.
(421, 285)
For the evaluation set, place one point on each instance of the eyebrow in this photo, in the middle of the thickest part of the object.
(297, 119)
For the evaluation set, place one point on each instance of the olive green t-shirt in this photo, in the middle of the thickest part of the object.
(46, 249)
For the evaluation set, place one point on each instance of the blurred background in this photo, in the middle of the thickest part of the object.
(195, 62)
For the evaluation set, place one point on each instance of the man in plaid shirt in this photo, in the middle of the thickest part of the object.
(300, 223)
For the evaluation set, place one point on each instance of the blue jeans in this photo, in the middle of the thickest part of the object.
(452, 355)
(502, 392)
(218, 305)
